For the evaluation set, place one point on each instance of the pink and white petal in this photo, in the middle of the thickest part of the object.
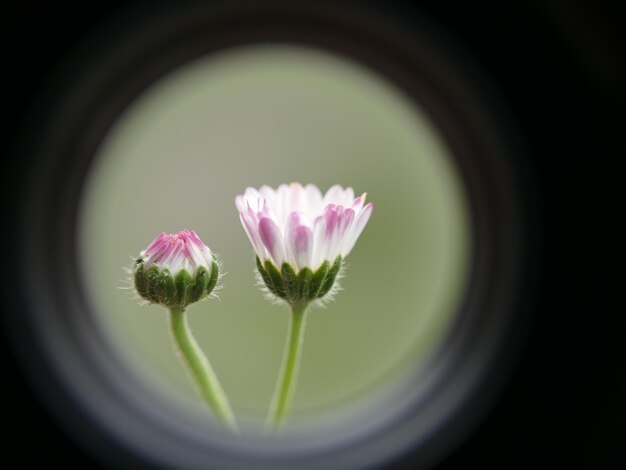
(157, 250)
(251, 193)
(251, 229)
(264, 211)
(319, 242)
(172, 258)
(201, 253)
(332, 217)
(358, 203)
(252, 198)
(157, 243)
(272, 239)
(339, 196)
(201, 256)
(208, 257)
(302, 246)
(312, 201)
(298, 241)
(268, 196)
(295, 200)
(192, 253)
(345, 221)
(279, 208)
(193, 239)
(333, 195)
(347, 197)
(267, 192)
(296, 219)
(354, 231)
(242, 204)
(331, 220)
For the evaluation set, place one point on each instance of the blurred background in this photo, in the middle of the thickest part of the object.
(272, 114)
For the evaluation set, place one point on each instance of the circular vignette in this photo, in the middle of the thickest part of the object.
(112, 409)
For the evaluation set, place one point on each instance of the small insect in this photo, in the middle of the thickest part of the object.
(139, 260)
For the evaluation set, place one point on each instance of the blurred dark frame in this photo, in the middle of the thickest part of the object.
(563, 404)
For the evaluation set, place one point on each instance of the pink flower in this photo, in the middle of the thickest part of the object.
(175, 270)
(300, 226)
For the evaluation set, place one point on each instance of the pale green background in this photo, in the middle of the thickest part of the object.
(266, 115)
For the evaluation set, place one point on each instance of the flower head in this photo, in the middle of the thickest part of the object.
(298, 234)
(176, 270)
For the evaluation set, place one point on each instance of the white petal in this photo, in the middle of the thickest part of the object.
(295, 200)
(358, 203)
(241, 204)
(339, 196)
(332, 217)
(319, 242)
(333, 195)
(268, 195)
(252, 230)
(280, 205)
(354, 231)
(272, 239)
(338, 220)
(252, 197)
(347, 197)
(346, 220)
(312, 201)
(298, 241)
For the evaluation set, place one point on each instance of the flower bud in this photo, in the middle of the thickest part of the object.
(176, 270)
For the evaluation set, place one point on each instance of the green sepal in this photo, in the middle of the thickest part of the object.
(215, 274)
(276, 281)
(166, 288)
(302, 287)
(184, 286)
(152, 280)
(290, 281)
(330, 277)
(304, 283)
(141, 283)
(160, 287)
(266, 278)
(318, 279)
(200, 283)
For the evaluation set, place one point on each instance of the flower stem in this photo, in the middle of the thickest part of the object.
(200, 369)
(286, 384)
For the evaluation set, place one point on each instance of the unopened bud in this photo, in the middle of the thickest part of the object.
(176, 270)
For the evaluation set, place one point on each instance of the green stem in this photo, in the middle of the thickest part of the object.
(200, 369)
(287, 378)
